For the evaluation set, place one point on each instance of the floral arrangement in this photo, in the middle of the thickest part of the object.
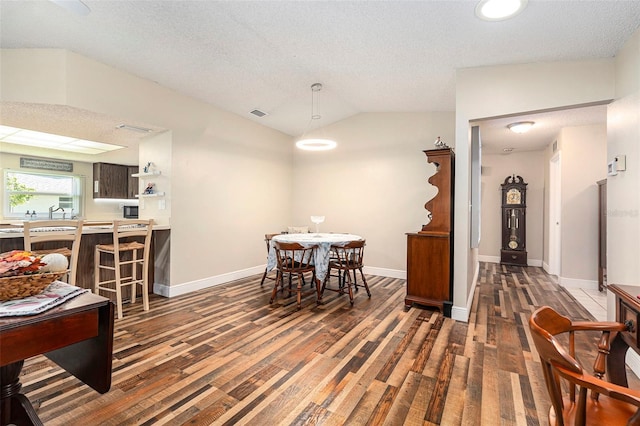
(20, 262)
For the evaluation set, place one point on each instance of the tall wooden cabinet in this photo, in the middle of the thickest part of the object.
(430, 250)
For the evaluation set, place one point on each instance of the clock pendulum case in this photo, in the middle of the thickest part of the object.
(514, 205)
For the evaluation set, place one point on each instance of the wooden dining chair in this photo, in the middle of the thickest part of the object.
(346, 260)
(55, 236)
(609, 404)
(267, 240)
(294, 259)
(128, 260)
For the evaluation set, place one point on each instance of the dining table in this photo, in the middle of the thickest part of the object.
(324, 241)
(77, 335)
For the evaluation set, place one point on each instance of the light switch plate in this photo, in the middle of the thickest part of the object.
(162, 205)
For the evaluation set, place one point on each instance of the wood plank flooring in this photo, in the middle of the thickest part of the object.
(224, 356)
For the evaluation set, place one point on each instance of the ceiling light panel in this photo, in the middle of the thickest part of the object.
(36, 139)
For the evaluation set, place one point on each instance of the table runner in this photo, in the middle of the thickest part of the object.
(54, 294)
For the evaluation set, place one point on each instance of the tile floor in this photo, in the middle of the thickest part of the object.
(593, 301)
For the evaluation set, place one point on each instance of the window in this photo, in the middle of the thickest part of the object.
(31, 194)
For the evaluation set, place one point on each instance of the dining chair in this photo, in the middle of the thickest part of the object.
(267, 240)
(127, 257)
(347, 259)
(294, 259)
(55, 236)
(609, 404)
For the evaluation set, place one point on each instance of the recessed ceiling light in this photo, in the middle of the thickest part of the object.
(507, 150)
(498, 10)
(521, 126)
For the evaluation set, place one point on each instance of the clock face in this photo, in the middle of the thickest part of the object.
(513, 196)
(513, 244)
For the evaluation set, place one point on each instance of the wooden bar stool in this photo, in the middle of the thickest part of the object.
(130, 249)
(55, 236)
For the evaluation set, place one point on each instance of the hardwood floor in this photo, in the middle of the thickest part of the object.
(225, 356)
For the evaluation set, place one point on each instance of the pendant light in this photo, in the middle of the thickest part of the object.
(310, 143)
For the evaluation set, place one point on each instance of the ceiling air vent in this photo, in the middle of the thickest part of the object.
(258, 113)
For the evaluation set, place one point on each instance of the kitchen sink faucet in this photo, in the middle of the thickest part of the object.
(51, 210)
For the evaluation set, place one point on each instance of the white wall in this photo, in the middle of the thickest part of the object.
(623, 197)
(502, 90)
(374, 183)
(583, 164)
(495, 168)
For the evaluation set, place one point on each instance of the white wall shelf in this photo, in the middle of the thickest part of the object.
(149, 174)
(155, 194)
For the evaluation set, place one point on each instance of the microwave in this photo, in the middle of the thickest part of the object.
(130, 212)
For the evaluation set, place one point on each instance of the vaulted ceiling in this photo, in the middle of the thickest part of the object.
(371, 56)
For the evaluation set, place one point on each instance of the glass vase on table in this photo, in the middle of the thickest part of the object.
(317, 220)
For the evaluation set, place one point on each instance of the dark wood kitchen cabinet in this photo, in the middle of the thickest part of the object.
(132, 185)
(112, 181)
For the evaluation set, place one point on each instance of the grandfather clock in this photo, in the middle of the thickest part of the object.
(514, 224)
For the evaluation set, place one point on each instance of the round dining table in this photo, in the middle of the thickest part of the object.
(324, 241)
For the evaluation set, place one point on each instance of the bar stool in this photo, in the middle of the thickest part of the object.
(130, 248)
(55, 236)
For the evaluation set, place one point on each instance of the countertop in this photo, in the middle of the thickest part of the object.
(13, 229)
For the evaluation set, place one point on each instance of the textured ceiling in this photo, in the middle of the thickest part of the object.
(370, 56)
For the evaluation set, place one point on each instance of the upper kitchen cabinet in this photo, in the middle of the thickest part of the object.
(111, 181)
(132, 186)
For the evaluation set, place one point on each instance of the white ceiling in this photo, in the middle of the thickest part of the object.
(371, 56)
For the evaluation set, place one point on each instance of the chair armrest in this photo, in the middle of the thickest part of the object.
(598, 326)
(603, 387)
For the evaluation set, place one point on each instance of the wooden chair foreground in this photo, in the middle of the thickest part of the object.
(608, 404)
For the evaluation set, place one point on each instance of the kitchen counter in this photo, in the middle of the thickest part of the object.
(15, 230)
(100, 232)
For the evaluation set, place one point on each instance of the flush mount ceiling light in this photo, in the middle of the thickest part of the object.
(32, 138)
(499, 10)
(521, 126)
(310, 143)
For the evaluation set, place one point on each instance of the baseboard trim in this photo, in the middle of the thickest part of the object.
(489, 259)
(461, 313)
(577, 283)
(496, 259)
(188, 287)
